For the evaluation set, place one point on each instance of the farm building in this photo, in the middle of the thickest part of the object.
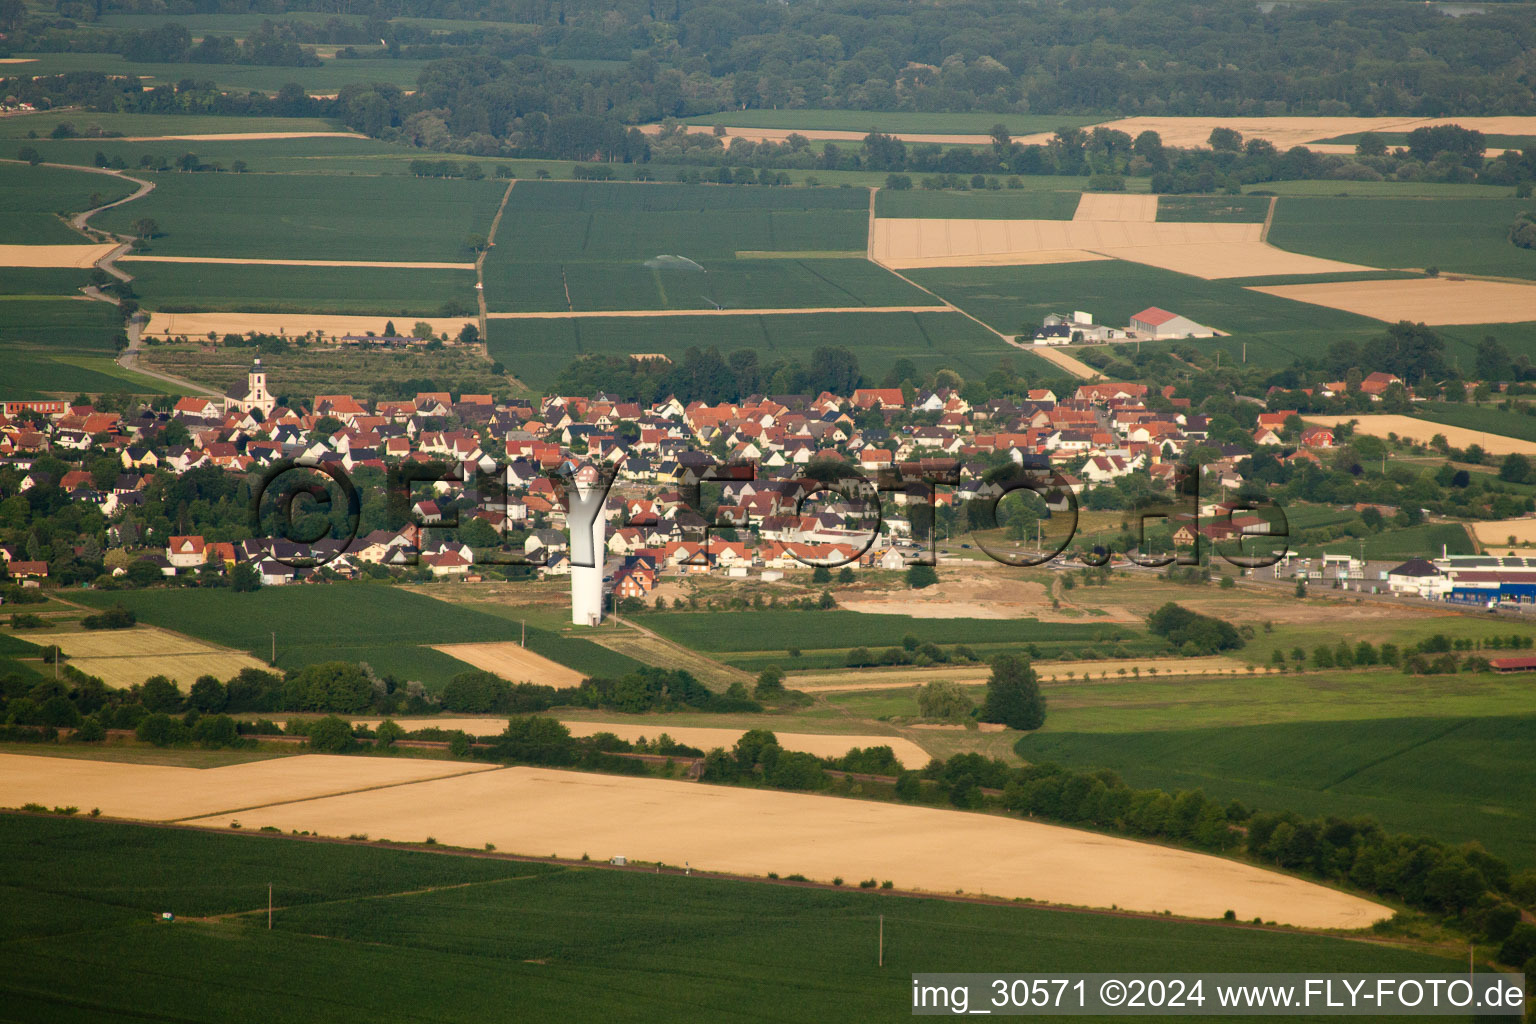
(1156, 324)
(1525, 664)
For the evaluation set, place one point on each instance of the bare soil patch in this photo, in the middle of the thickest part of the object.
(513, 663)
(753, 832)
(1442, 300)
(1421, 431)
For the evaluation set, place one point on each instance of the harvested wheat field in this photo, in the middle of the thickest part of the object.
(1285, 132)
(194, 324)
(296, 263)
(753, 832)
(127, 657)
(1209, 250)
(1421, 431)
(706, 738)
(1496, 534)
(1116, 206)
(513, 663)
(1430, 300)
(703, 737)
(76, 256)
(163, 793)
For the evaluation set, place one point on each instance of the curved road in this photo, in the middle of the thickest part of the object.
(129, 359)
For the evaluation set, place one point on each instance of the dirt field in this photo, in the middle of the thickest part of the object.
(1076, 367)
(513, 663)
(752, 832)
(1202, 249)
(195, 324)
(1421, 300)
(164, 793)
(1112, 206)
(1420, 431)
(78, 256)
(1049, 672)
(1496, 534)
(295, 263)
(127, 657)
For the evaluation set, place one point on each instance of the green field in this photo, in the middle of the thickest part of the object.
(268, 216)
(190, 287)
(1379, 189)
(514, 285)
(1008, 204)
(38, 126)
(1467, 235)
(371, 934)
(62, 346)
(537, 350)
(1226, 209)
(330, 76)
(837, 630)
(1424, 541)
(51, 281)
(32, 200)
(350, 622)
(1453, 778)
(591, 246)
(969, 123)
(548, 220)
(1013, 298)
(1486, 418)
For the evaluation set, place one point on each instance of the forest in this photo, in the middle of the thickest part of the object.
(686, 58)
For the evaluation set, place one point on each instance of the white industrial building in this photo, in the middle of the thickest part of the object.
(1156, 324)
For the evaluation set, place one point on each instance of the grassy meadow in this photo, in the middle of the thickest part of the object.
(389, 628)
(1456, 778)
(1007, 204)
(331, 75)
(62, 345)
(369, 933)
(536, 350)
(1467, 235)
(193, 287)
(321, 217)
(35, 202)
(1012, 298)
(1225, 209)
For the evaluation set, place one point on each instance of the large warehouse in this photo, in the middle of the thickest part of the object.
(1155, 323)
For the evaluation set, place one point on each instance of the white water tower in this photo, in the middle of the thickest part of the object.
(589, 543)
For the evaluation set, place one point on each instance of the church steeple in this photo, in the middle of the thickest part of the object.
(256, 383)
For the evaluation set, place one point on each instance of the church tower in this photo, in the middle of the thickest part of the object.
(256, 385)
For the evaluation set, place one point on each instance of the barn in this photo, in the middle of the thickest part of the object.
(1156, 323)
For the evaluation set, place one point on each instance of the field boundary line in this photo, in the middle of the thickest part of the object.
(216, 918)
(1269, 218)
(591, 314)
(1442, 734)
(479, 770)
(490, 240)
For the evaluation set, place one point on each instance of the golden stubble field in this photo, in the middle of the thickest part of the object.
(152, 792)
(76, 256)
(752, 832)
(127, 657)
(514, 663)
(1434, 301)
(1421, 431)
